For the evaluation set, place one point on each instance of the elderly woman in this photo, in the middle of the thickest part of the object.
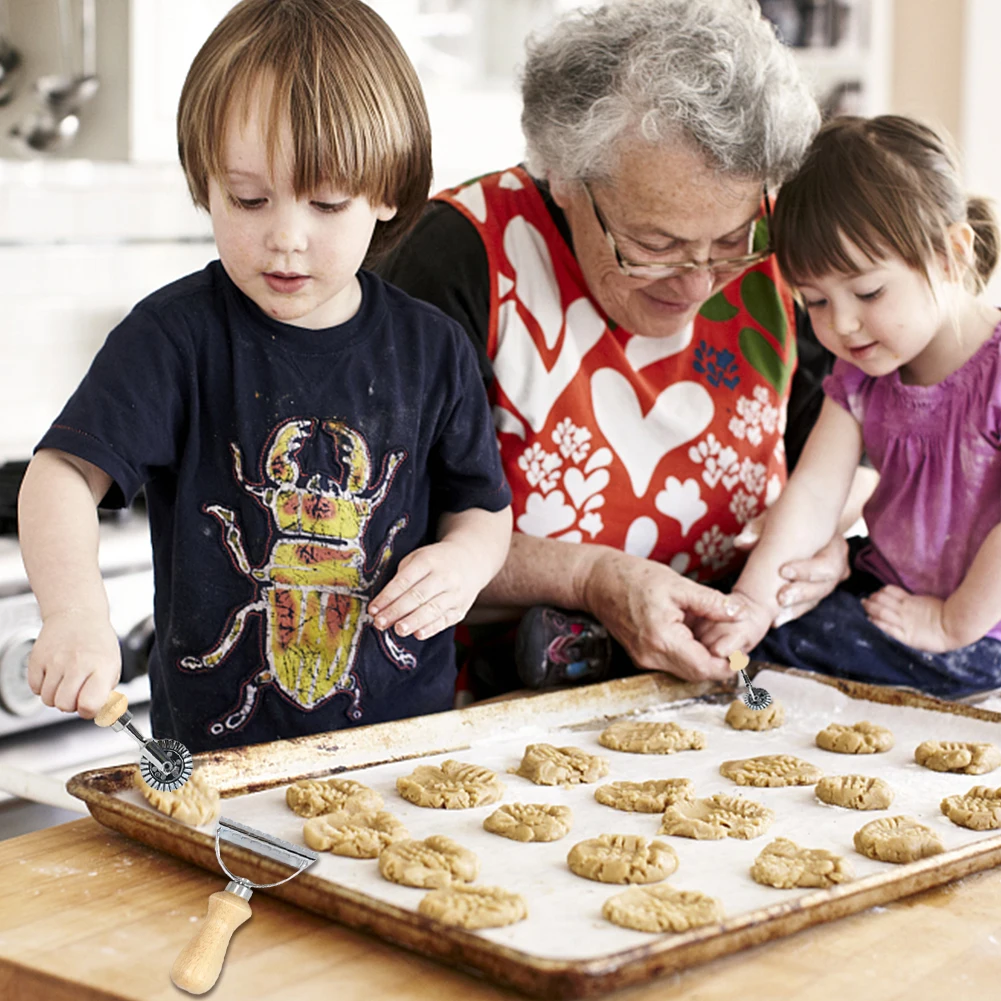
(637, 341)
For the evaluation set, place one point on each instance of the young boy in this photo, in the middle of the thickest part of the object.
(304, 432)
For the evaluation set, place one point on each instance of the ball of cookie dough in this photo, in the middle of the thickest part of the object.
(530, 821)
(652, 796)
(474, 906)
(741, 717)
(979, 809)
(650, 738)
(854, 792)
(431, 864)
(968, 757)
(771, 770)
(313, 797)
(546, 765)
(784, 864)
(353, 833)
(897, 839)
(859, 738)
(717, 817)
(622, 858)
(453, 786)
(195, 803)
(661, 908)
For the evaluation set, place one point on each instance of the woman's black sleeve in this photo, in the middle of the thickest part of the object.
(806, 394)
(442, 260)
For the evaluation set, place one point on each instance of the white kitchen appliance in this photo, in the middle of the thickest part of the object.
(127, 567)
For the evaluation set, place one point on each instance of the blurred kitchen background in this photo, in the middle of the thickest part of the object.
(94, 214)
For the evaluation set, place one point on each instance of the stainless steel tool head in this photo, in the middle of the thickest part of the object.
(179, 758)
(754, 698)
(235, 833)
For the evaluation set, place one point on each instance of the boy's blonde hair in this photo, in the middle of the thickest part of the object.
(888, 185)
(336, 73)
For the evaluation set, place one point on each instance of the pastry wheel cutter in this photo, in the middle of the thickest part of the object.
(165, 765)
(199, 963)
(753, 698)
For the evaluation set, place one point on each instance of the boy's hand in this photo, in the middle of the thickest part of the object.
(433, 589)
(915, 619)
(75, 662)
(722, 638)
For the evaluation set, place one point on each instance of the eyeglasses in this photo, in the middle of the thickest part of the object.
(723, 268)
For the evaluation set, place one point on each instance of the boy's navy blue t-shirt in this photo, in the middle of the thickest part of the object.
(287, 472)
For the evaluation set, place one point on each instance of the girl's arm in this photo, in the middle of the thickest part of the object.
(803, 519)
(75, 661)
(434, 586)
(928, 623)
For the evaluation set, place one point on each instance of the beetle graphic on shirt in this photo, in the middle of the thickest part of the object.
(312, 589)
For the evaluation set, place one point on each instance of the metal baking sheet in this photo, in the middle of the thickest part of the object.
(565, 948)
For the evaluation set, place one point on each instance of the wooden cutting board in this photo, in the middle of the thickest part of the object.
(89, 915)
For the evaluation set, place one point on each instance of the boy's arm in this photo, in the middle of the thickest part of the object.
(804, 517)
(435, 585)
(931, 624)
(75, 661)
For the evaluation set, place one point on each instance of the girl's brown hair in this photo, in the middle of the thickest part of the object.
(888, 185)
(338, 75)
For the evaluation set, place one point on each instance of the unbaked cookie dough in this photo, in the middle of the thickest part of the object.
(622, 858)
(474, 906)
(717, 817)
(855, 792)
(454, 785)
(353, 833)
(431, 864)
(546, 765)
(741, 717)
(979, 809)
(897, 839)
(195, 803)
(530, 821)
(312, 797)
(957, 756)
(653, 796)
(650, 738)
(771, 770)
(859, 738)
(661, 908)
(783, 864)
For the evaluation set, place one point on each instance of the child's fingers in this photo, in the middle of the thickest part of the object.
(93, 694)
(426, 591)
(443, 609)
(68, 693)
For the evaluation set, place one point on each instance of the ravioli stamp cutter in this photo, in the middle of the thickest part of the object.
(199, 963)
(165, 765)
(753, 698)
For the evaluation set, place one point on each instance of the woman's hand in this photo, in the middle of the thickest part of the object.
(650, 610)
(810, 581)
(75, 662)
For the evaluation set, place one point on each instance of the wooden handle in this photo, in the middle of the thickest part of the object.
(738, 661)
(112, 709)
(197, 967)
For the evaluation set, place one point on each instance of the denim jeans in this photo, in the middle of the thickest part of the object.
(837, 638)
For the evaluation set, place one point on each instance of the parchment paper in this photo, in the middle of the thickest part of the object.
(565, 919)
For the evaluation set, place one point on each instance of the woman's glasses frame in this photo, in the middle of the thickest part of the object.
(727, 267)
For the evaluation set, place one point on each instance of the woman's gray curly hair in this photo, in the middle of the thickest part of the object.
(710, 74)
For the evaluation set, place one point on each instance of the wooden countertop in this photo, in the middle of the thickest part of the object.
(89, 915)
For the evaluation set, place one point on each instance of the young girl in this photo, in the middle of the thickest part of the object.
(889, 257)
(324, 491)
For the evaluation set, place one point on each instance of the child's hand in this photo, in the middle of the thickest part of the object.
(433, 589)
(915, 619)
(75, 662)
(722, 638)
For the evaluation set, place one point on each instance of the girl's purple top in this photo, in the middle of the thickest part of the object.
(938, 452)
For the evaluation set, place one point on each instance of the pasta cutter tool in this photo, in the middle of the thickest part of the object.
(753, 698)
(165, 765)
(199, 963)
